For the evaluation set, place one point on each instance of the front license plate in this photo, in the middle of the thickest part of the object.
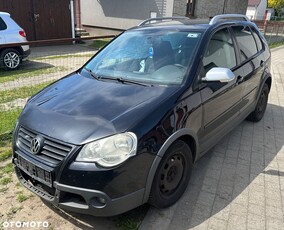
(34, 171)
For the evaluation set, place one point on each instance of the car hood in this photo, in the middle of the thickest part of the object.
(80, 109)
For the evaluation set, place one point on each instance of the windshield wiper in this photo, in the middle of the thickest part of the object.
(93, 74)
(123, 80)
(119, 79)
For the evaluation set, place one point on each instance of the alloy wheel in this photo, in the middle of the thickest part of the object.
(11, 60)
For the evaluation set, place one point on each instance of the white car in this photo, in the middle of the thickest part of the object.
(11, 32)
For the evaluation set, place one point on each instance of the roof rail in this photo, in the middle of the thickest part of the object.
(161, 19)
(217, 18)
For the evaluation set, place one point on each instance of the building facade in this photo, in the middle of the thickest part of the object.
(123, 14)
(256, 9)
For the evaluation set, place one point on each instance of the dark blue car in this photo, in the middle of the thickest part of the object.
(127, 127)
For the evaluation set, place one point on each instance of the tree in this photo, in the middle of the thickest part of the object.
(276, 4)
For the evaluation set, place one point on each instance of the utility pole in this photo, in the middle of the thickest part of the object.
(224, 6)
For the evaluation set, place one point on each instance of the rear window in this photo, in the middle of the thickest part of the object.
(245, 41)
(257, 40)
(3, 25)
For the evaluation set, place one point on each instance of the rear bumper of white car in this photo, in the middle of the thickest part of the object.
(26, 52)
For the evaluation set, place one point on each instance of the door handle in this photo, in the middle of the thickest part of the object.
(240, 79)
(261, 63)
(36, 16)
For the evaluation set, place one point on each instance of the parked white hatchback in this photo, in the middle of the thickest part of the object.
(10, 32)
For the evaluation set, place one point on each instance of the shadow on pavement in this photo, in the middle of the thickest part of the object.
(243, 158)
(35, 65)
(128, 220)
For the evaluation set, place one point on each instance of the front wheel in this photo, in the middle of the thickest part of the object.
(172, 175)
(10, 59)
(260, 108)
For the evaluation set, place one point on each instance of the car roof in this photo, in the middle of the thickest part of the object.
(4, 13)
(184, 23)
(162, 26)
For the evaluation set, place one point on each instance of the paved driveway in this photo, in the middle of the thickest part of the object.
(240, 183)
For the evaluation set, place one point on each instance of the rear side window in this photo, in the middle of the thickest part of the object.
(245, 41)
(3, 25)
(257, 40)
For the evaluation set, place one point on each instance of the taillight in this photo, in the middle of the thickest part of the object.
(22, 33)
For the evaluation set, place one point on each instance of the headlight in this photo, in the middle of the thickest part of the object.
(109, 151)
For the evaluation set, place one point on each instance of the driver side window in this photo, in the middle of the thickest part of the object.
(220, 51)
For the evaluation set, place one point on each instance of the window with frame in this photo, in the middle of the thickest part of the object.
(246, 42)
(220, 51)
(257, 40)
(3, 25)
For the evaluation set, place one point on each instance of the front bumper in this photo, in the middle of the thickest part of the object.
(81, 200)
(77, 186)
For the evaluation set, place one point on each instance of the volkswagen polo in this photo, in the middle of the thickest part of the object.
(127, 127)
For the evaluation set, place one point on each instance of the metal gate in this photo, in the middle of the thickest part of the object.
(41, 19)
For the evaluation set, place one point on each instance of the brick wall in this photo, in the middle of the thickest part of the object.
(179, 7)
(209, 8)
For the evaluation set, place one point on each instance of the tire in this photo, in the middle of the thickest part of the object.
(260, 108)
(172, 175)
(10, 59)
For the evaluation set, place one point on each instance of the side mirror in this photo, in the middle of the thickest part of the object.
(219, 74)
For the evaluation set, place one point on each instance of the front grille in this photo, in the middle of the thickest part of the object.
(52, 151)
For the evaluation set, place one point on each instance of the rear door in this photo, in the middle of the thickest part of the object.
(252, 62)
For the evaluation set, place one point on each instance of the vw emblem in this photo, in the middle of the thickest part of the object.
(36, 144)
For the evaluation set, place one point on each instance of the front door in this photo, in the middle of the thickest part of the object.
(221, 101)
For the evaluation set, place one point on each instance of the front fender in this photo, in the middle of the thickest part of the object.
(176, 135)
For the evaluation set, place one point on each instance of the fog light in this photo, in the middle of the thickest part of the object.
(101, 200)
(98, 202)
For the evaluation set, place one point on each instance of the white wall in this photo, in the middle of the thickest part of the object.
(251, 11)
(261, 10)
(122, 14)
(257, 12)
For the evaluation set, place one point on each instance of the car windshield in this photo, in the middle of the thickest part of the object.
(153, 57)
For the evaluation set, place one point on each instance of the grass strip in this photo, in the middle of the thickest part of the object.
(22, 197)
(5, 153)
(5, 139)
(6, 169)
(131, 220)
(276, 44)
(17, 74)
(99, 43)
(8, 120)
(5, 150)
(13, 211)
(5, 180)
(63, 56)
(23, 92)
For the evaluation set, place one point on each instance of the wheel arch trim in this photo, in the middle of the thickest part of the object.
(178, 134)
(266, 76)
